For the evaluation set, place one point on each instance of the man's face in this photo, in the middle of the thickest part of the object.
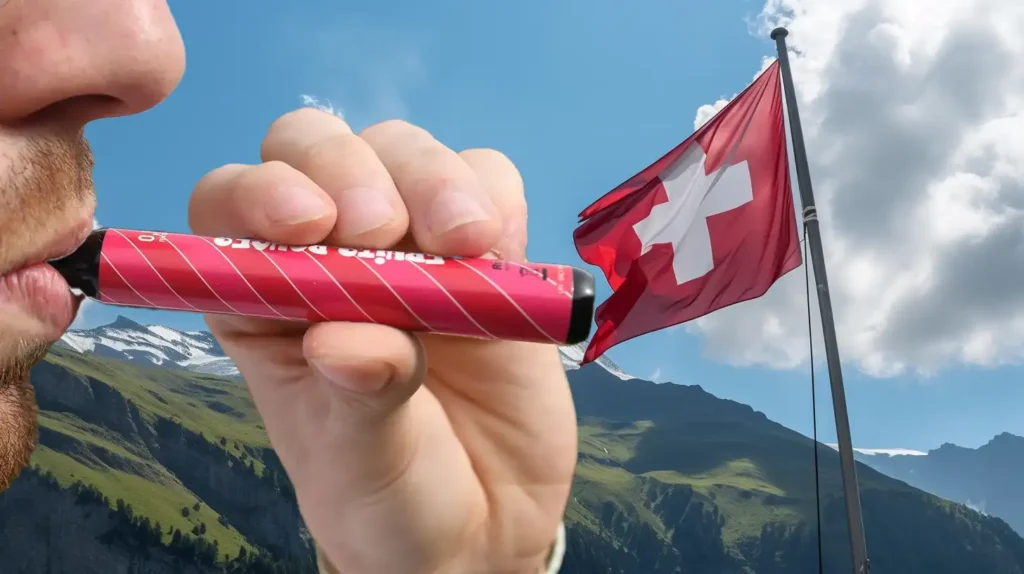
(63, 63)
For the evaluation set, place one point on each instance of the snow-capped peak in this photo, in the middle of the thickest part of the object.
(883, 451)
(573, 354)
(198, 351)
(152, 345)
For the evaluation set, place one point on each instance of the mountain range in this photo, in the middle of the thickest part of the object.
(149, 462)
(198, 351)
(988, 478)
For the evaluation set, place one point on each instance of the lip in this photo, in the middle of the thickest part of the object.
(58, 247)
(40, 301)
(36, 293)
(65, 244)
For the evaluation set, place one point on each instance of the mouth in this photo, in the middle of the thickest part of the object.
(36, 294)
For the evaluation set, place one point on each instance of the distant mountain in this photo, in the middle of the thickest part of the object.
(989, 478)
(198, 351)
(157, 345)
(572, 355)
(883, 451)
(155, 469)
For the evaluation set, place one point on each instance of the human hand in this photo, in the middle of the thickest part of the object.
(408, 453)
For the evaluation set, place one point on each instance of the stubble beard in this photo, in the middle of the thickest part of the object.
(42, 186)
(19, 412)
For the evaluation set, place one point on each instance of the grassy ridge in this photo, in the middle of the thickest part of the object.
(212, 405)
(159, 498)
(738, 488)
(76, 450)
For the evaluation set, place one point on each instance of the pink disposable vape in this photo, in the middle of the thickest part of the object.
(411, 291)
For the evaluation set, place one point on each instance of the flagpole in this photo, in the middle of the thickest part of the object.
(858, 547)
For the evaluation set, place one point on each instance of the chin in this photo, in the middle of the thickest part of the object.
(19, 432)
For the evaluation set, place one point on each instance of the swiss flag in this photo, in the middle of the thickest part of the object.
(708, 225)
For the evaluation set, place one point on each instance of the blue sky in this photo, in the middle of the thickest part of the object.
(579, 95)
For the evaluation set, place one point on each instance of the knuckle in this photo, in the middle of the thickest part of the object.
(220, 175)
(494, 165)
(488, 155)
(388, 130)
(325, 152)
(298, 115)
(283, 122)
(391, 125)
(216, 186)
(426, 168)
(516, 248)
(270, 168)
(252, 177)
(256, 182)
(307, 120)
(518, 208)
(431, 182)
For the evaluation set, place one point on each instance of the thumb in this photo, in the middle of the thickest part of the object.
(372, 443)
(367, 374)
(369, 450)
(373, 368)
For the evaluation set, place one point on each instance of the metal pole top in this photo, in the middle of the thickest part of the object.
(780, 31)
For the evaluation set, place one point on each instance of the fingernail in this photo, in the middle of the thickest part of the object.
(454, 208)
(361, 378)
(291, 205)
(363, 209)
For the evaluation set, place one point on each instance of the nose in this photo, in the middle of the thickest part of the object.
(86, 60)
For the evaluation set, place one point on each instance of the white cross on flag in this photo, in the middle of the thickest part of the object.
(708, 225)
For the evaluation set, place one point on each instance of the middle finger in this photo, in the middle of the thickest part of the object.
(450, 211)
(322, 146)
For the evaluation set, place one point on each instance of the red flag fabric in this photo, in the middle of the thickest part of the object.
(708, 225)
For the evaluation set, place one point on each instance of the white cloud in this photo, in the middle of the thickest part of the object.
(708, 111)
(324, 105)
(914, 124)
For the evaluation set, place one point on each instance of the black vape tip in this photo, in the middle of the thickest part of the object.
(81, 268)
(582, 314)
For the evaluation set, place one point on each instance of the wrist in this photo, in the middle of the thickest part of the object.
(551, 565)
(323, 565)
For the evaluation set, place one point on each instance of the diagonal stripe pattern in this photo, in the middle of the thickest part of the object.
(410, 291)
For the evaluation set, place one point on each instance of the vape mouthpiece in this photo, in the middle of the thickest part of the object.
(481, 298)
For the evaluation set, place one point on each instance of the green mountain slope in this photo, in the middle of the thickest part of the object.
(155, 470)
(184, 450)
(673, 479)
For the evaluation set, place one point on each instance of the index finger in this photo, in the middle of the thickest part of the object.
(272, 201)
